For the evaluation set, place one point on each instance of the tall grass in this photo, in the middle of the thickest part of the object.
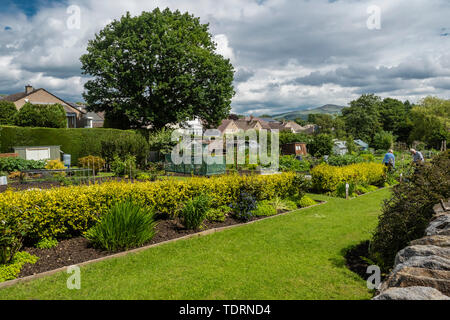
(126, 226)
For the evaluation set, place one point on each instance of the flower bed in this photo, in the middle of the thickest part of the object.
(70, 211)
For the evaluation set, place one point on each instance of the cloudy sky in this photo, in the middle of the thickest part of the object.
(288, 54)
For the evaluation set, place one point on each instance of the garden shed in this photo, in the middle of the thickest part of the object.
(296, 148)
(39, 152)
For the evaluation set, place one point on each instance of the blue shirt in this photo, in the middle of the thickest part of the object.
(389, 158)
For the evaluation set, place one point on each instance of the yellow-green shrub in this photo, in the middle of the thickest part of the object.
(92, 162)
(327, 178)
(68, 211)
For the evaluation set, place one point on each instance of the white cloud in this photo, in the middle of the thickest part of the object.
(271, 43)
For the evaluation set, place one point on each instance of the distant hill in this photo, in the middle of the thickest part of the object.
(327, 109)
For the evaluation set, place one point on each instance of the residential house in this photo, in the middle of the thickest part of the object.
(91, 119)
(76, 117)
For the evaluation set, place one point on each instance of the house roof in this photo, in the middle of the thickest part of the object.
(223, 126)
(20, 95)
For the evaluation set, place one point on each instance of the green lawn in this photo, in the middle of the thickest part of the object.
(295, 256)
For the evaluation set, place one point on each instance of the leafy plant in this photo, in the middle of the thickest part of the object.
(218, 214)
(195, 212)
(409, 210)
(92, 162)
(306, 201)
(265, 208)
(12, 269)
(244, 206)
(124, 167)
(47, 243)
(283, 204)
(11, 164)
(127, 225)
(12, 233)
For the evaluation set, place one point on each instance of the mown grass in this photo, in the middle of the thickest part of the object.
(295, 256)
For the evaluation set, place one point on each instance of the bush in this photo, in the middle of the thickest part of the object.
(126, 167)
(345, 160)
(244, 206)
(12, 232)
(409, 210)
(144, 176)
(45, 116)
(92, 162)
(265, 208)
(70, 211)
(127, 225)
(47, 243)
(195, 211)
(54, 165)
(290, 163)
(11, 270)
(18, 164)
(383, 140)
(326, 178)
(306, 201)
(321, 145)
(8, 111)
(218, 214)
(78, 142)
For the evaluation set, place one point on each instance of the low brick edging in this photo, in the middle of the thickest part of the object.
(137, 250)
(422, 270)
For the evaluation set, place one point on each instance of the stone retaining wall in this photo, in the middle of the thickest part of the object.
(422, 270)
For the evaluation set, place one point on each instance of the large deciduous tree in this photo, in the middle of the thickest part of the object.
(362, 118)
(155, 69)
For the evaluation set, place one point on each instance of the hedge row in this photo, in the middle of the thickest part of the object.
(326, 178)
(69, 211)
(76, 142)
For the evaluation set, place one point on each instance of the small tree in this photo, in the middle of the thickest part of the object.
(47, 116)
(7, 112)
(383, 140)
(321, 145)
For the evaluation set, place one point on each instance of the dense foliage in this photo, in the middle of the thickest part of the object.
(45, 116)
(11, 164)
(92, 162)
(326, 178)
(155, 69)
(127, 225)
(78, 142)
(321, 145)
(7, 112)
(409, 210)
(69, 211)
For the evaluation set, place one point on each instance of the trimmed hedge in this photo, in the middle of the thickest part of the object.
(80, 142)
(70, 211)
(326, 178)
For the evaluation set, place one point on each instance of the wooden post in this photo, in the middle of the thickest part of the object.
(347, 187)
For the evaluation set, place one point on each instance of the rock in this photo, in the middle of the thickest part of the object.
(441, 208)
(439, 226)
(428, 262)
(437, 240)
(411, 293)
(412, 277)
(423, 251)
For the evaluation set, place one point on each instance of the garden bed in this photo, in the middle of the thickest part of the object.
(78, 250)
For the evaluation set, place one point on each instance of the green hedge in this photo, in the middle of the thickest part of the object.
(76, 142)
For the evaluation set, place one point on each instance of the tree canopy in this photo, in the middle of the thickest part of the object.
(7, 112)
(155, 69)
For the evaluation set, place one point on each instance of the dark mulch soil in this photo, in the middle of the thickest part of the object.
(78, 250)
(355, 262)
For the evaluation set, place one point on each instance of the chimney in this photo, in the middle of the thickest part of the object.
(29, 89)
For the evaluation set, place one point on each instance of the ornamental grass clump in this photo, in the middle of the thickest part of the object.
(128, 225)
(195, 212)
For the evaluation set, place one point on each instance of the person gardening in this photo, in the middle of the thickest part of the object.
(417, 156)
(389, 160)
